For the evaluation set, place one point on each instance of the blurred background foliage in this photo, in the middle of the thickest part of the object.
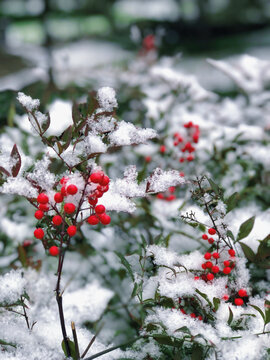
(44, 42)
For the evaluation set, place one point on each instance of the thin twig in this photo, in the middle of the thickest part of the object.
(25, 314)
(74, 333)
(92, 341)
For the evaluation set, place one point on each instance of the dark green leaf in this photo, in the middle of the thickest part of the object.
(197, 352)
(230, 319)
(126, 264)
(249, 254)
(204, 296)
(259, 310)
(2, 342)
(245, 228)
(232, 201)
(267, 311)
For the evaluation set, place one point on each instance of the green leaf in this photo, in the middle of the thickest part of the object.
(2, 342)
(197, 353)
(215, 187)
(72, 349)
(135, 290)
(204, 296)
(249, 254)
(259, 310)
(216, 303)
(126, 264)
(184, 329)
(163, 339)
(22, 255)
(245, 228)
(230, 319)
(230, 235)
(232, 201)
(267, 311)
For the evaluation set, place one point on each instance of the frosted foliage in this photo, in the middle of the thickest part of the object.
(162, 180)
(142, 350)
(85, 305)
(180, 81)
(27, 102)
(128, 185)
(128, 134)
(71, 155)
(12, 286)
(102, 125)
(41, 175)
(106, 98)
(249, 73)
(94, 144)
(19, 186)
(112, 200)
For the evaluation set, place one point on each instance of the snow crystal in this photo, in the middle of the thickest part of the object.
(94, 144)
(161, 180)
(12, 286)
(114, 201)
(101, 124)
(86, 306)
(26, 101)
(19, 186)
(106, 98)
(41, 175)
(128, 134)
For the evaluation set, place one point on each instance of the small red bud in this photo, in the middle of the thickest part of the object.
(211, 231)
(58, 197)
(69, 208)
(238, 301)
(39, 233)
(105, 219)
(57, 220)
(93, 220)
(54, 250)
(72, 189)
(71, 230)
(39, 214)
(42, 198)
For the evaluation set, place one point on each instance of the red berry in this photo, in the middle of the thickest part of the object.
(54, 250)
(160, 196)
(93, 220)
(44, 207)
(171, 189)
(105, 181)
(27, 243)
(181, 160)
(208, 264)
(190, 158)
(204, 266)
(182, 174)
(98, 193)
(210, 276)
(58, 197)
(204, 237)
(71, 230)
(195, 138)
(183, 311)
(64, 180)
(216, 255)
(192, 315)
(211, 240)
(171, 198)
(39, 233)
(162, 149)
(96, 177)
(238, 301)
(100, 209)
(57, 220)
(42, 198)
(211, 231)
(63, 191)
(227, 270)
(242, 293)
(226, 263)
(148, 159)
(69, 208)
(231, 252)
(105, 188)
(39, 214)
(207, 256)
(72, 189)
(92, 201)
(225, 297)
(215, 269)
(200, 317)
(105, 219)
(196, 278)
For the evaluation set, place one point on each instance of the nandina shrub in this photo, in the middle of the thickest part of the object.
(78, 194)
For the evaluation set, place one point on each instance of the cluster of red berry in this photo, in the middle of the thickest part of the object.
(237, 300)
(186, 144)
(168, 195)
(97, 212)
(183, 311)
